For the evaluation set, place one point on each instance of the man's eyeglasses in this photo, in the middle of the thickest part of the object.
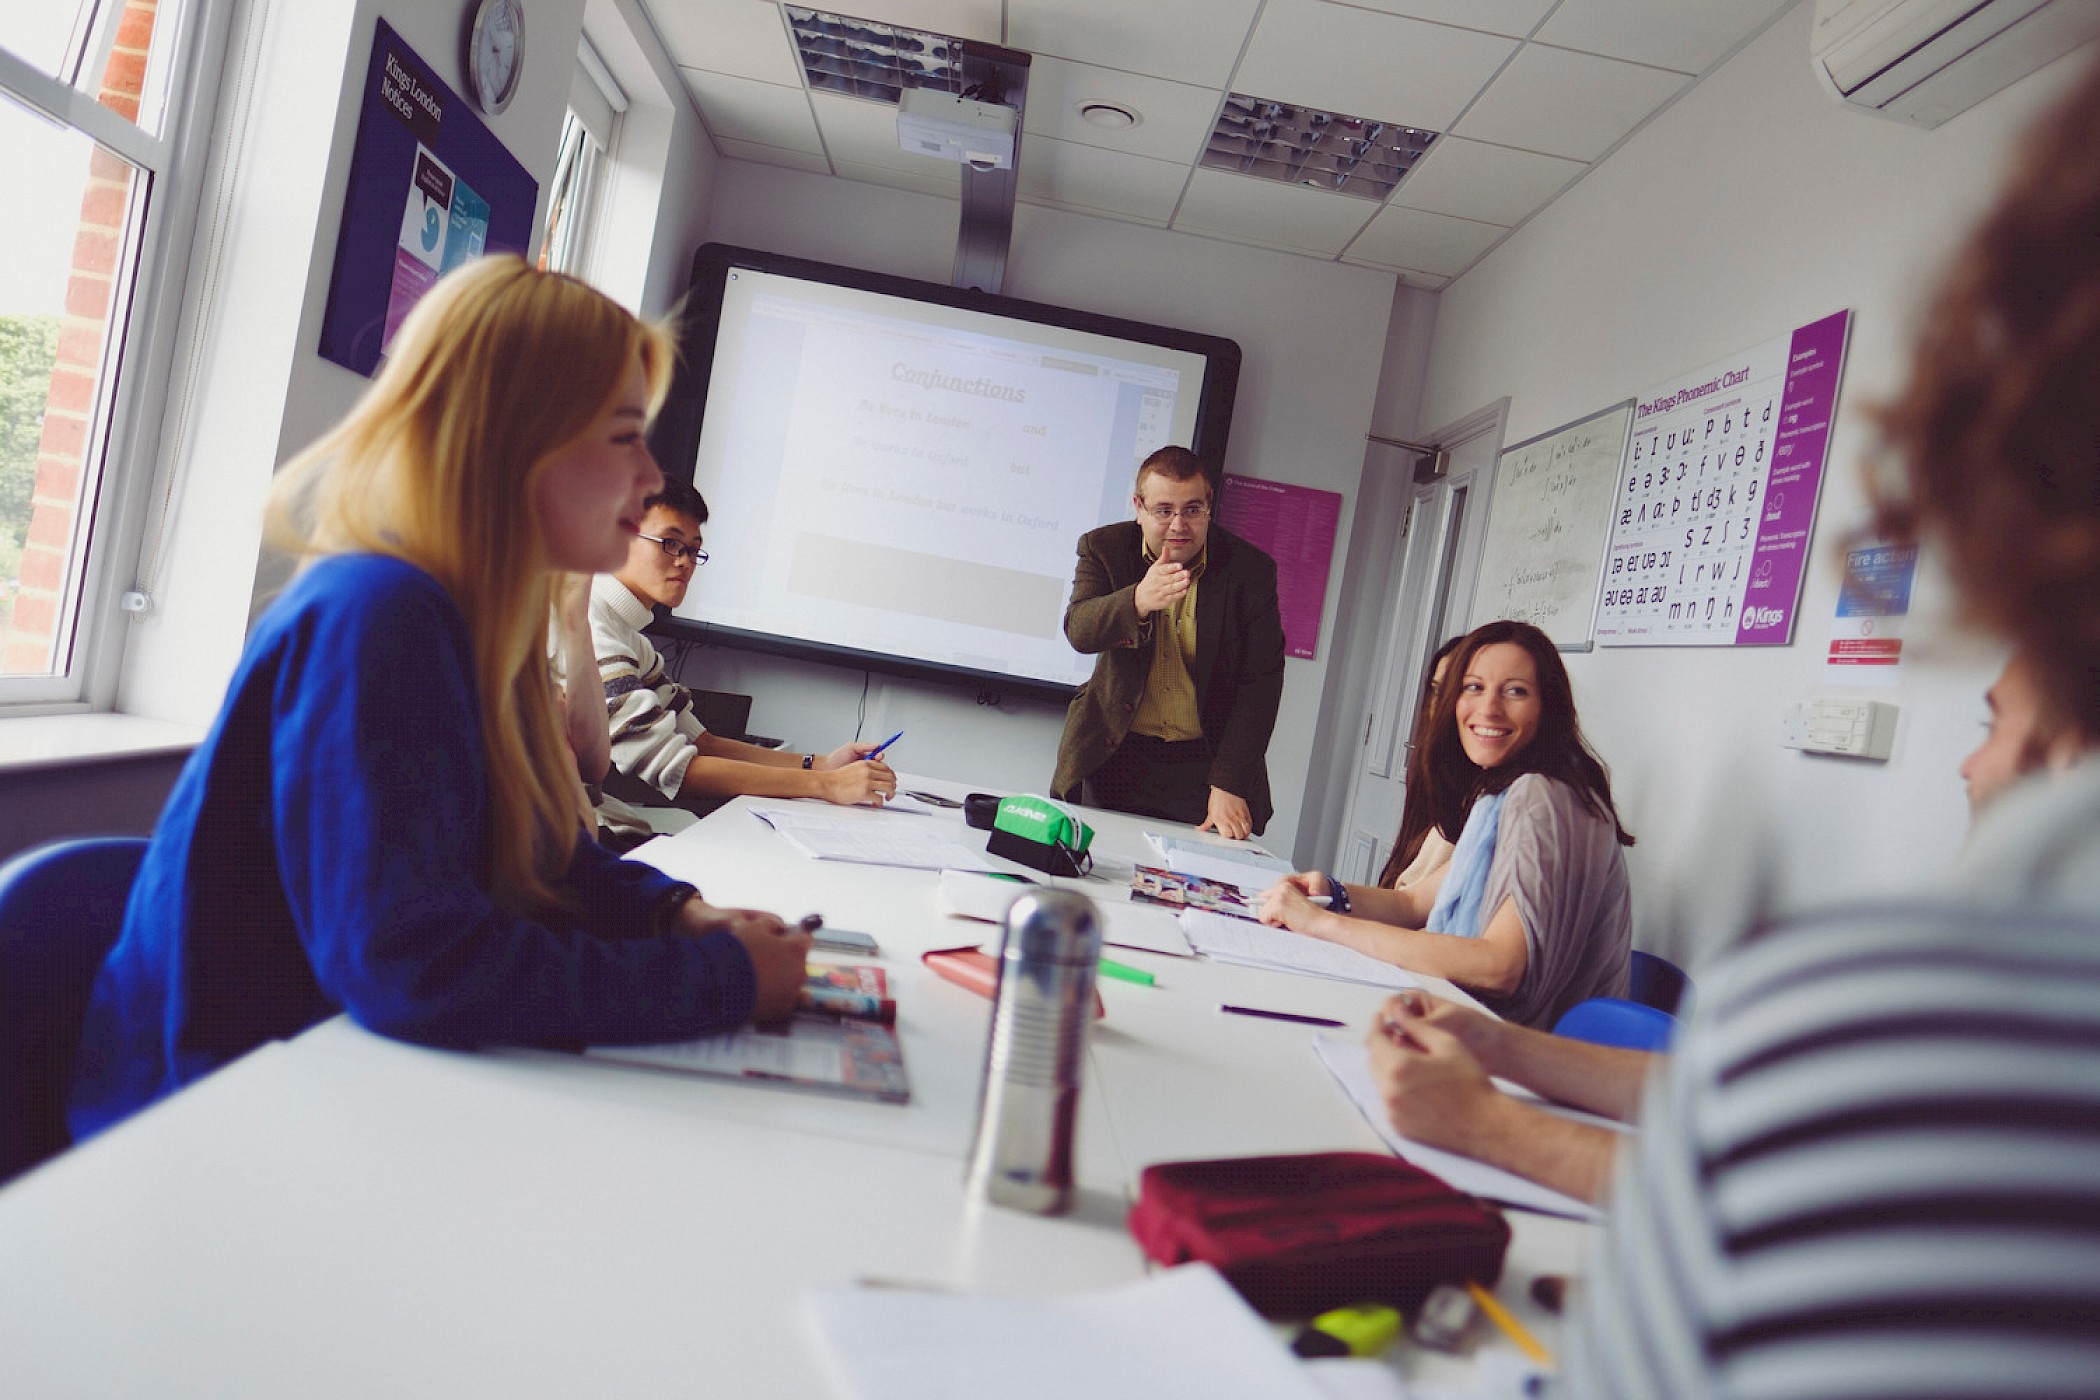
(1194, 514)
(677, 549)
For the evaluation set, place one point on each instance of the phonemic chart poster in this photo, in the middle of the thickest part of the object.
(430, 188)
(1717, 497)
(1295, 526)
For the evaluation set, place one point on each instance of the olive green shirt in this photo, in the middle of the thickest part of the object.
(1167, 710)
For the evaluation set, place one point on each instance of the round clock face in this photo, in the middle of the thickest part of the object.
(496, 52)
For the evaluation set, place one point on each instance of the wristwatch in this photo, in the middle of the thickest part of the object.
(665, 916)
(809, 760)
(1337, 893)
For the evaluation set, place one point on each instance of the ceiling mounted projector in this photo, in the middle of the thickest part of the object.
(977, 134)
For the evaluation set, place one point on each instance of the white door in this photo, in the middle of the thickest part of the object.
(1432, 600)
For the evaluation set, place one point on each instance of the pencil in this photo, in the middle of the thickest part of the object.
(1511, 1328)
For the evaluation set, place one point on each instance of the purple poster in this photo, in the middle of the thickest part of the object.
(1717, 497)
(1294, 525)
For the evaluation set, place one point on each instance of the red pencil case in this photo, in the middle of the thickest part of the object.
(1301, 1234)
(978, 970)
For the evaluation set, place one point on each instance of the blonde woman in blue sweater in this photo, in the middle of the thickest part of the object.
(382, 819)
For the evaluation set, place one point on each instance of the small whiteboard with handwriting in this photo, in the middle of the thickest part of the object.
(1548, 524)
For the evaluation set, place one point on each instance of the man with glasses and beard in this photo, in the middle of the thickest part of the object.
(1181, 618)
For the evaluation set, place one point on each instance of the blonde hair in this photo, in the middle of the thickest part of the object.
(499, 368)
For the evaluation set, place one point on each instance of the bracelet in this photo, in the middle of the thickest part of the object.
(809, 760)
(1337, 894)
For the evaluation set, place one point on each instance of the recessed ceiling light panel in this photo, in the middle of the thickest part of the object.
(868, 59)
(1305, 146)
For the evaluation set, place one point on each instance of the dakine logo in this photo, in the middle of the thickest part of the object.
(1761, 618)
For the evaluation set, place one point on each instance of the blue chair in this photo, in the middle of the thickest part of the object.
(1616, 1021)
(1658, 982)
(61, 907)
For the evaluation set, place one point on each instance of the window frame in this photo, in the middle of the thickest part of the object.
(121, 464)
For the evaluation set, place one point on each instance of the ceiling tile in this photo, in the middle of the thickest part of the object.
(1567, 104)
(1095, 181)
(1365, 64)
(1189, 41)
(1415, 238)
(1273, 215)
(1174, 118)
(964, 19)
(1473, 180)
(1687, 35)
(744, 110)
(1513, 17)
(772, 155)
(940, 177)
(746, 37)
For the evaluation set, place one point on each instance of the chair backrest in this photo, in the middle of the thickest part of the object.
(61, 908)
(1657, 982)
(1616, 1021)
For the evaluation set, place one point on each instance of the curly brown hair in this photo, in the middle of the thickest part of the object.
(1993, 444)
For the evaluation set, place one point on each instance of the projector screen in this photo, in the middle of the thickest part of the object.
(897, 472)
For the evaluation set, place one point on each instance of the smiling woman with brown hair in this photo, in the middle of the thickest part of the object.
(1533, 913)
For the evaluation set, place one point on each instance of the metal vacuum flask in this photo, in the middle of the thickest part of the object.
(1034, 1061)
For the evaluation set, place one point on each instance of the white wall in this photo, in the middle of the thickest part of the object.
(1312, 334)
(1755, 204)
(261, 389)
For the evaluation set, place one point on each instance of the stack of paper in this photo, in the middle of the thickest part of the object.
(1257, 945)
(1182, 1332)
(1249, 868)
(918, 846)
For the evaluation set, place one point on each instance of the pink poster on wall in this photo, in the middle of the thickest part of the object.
(1294, 525)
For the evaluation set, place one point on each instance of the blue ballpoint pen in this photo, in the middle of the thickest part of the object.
(876, 752)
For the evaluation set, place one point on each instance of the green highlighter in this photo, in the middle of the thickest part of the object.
(1124, 972)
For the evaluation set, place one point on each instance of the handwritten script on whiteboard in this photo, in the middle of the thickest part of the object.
(1547, 526)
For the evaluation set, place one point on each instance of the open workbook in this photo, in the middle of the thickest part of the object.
(826, 1051)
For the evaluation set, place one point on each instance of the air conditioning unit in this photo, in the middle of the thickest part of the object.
(1922, 61)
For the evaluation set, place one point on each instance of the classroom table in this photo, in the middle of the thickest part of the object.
(341, 1214)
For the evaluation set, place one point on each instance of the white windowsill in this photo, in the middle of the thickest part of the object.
(58, 741)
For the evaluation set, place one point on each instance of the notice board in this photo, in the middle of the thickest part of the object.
(430, 187)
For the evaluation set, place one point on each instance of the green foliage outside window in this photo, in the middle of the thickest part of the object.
(28, 350)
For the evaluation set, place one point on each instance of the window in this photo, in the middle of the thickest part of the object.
(587, 136)
(89, 106)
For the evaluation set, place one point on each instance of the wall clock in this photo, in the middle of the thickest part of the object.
(495, 53)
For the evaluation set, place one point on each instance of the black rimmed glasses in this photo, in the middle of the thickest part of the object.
(677, 549)
(1195, 513)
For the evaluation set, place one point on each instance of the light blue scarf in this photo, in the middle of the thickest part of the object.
(1457, 907)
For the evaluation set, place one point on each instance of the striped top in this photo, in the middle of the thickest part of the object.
(1873, 1169)
(654, 728)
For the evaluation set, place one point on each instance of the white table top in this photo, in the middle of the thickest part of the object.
(346, 1215)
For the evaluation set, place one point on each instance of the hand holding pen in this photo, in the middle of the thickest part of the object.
(855, 774)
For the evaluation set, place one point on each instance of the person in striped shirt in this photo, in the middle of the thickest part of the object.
(1872, 1168)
